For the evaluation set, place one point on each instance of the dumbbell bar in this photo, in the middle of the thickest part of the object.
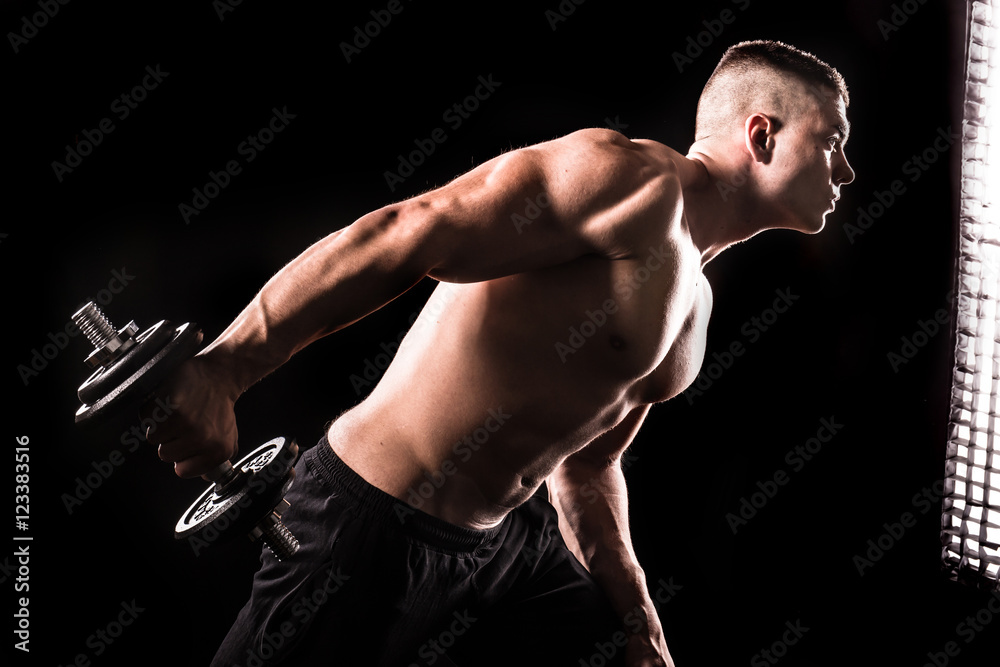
(247, 497)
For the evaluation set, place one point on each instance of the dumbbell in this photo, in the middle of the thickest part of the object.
(128, 366)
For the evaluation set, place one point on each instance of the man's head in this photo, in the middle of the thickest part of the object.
(779, 114)
(762, 75)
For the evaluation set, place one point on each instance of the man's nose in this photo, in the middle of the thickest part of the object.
(843, 173)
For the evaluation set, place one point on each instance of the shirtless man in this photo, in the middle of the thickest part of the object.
(492, 395)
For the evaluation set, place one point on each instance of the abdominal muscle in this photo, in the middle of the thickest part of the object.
(479, 406)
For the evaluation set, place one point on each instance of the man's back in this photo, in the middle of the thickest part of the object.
(500, 379)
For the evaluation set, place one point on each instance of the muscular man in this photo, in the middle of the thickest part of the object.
(427, 536)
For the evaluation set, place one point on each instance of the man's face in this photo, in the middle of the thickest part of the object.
(810, 166)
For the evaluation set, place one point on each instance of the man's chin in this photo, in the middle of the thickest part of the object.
(817, 228)
(816, 225)
(813, 226)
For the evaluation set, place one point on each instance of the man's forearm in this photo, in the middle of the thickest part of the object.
(334, 283)
(597, 523)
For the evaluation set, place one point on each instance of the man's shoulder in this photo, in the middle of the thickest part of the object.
(601, 155)
(624, 191)
(612, 153)
(611, 141)
(687, 171)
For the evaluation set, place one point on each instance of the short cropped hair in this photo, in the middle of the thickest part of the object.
(755, 74)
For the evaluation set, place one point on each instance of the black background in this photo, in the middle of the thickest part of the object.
(607, 62)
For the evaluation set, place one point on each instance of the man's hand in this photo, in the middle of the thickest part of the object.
(199, 431)
(648, 648)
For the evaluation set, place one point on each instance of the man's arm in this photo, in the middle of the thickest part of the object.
(600, 188)
(589, 494)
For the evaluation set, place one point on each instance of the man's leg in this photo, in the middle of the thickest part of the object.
(544, 607)
(374, 583)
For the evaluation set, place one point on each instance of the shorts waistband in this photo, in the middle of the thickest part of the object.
(378, 505)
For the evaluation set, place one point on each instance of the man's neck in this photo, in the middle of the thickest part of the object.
(720, 205)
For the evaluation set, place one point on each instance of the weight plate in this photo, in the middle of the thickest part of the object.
(267, 473)
(139, 386)
(147, 344)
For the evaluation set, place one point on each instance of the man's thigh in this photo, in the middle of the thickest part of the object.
(360, 591)
(554, 613)
(366, 592)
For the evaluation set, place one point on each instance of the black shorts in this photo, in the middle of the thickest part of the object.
(376, 582)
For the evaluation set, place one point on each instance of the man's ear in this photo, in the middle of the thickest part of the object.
(758, 133)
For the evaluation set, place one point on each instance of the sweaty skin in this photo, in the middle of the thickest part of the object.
(544, 345)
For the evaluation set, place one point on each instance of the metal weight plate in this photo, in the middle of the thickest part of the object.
(140, 385)
(266, 474)
(147, 344)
